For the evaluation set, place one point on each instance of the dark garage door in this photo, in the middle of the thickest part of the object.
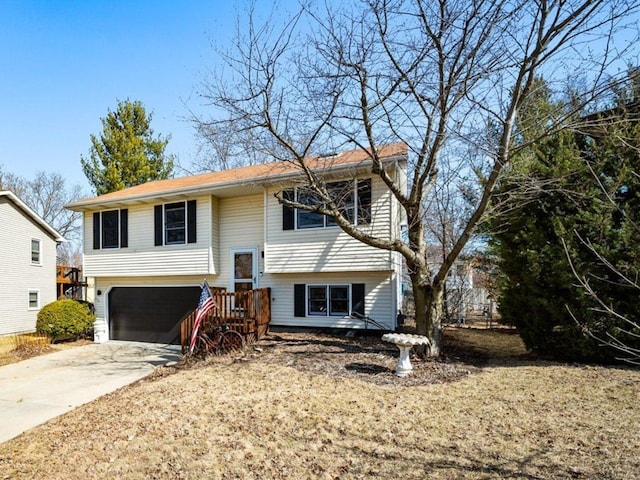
(150, 314)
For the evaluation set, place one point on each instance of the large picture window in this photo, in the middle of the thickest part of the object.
(353, 198)
(328, 300)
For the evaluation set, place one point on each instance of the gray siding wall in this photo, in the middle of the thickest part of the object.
(18, 275)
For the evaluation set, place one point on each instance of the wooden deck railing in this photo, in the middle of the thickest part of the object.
(248, 313)
(70, 278)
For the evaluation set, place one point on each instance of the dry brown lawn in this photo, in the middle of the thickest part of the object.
(14, 348)
(307, 405)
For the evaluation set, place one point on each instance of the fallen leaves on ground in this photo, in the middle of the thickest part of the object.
(304, 405)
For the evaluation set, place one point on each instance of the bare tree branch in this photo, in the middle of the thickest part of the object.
(433, 75)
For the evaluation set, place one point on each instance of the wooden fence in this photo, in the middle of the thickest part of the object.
(248, 313)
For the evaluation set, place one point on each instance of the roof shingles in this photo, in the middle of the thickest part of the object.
(242, 175)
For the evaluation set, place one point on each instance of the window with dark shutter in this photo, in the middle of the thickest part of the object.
(175, 223)
(124, 228)
(357, 298)
(288, 213)
(364, 201)
(96, 231)
(350, 196)
(110, 225)
(157, 224)
(191, 222)
(110, 229)
(299, 300)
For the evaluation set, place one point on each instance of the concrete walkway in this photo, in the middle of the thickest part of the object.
(41, 388)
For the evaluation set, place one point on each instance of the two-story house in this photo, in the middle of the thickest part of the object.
(148, 248)
(27, 265)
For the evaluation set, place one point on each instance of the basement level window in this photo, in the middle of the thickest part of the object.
(328, 300)
(34, 299)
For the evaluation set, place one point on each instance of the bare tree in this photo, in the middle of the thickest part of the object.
(231, 145)
(10, 181)
(446, 77)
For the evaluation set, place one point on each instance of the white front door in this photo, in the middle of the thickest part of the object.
(244, 268)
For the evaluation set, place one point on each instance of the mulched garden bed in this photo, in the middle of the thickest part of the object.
(364, 357)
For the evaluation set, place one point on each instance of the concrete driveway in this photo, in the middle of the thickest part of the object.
(41, 388)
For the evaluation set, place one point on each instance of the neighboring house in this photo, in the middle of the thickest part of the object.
(468, 288)
(147, 249)
(27, 265)
(467, 292)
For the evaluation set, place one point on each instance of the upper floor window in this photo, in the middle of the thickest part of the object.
(175, 223)
(353, 198)
(110, 229)
(35, 252)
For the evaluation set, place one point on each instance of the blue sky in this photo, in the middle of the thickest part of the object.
(64, 64)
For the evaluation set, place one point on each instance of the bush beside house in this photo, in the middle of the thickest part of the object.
(65, 319)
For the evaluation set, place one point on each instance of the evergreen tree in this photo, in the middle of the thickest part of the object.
(562, 224)
(126, 153)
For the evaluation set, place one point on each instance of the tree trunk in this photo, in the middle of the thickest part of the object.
(434, 309)
(428, 312)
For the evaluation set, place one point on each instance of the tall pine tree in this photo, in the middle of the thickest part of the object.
(569, 202)
(126, 153)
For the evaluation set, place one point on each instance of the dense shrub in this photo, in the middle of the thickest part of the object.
(569, 214)
(65, 319)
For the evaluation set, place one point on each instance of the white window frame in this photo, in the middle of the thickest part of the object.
(39, 260)
(165, 238)
(328, 287)
(232, 280)
(102, 246)
(37, 293)
(328, 222)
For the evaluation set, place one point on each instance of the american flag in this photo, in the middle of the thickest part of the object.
(205, 304)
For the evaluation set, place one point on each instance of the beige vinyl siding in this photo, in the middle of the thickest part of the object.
(380, 300)
(170, 261)
(214, 236)
(241, 226)
(142, 257)
(328, 249)
(18, 276)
